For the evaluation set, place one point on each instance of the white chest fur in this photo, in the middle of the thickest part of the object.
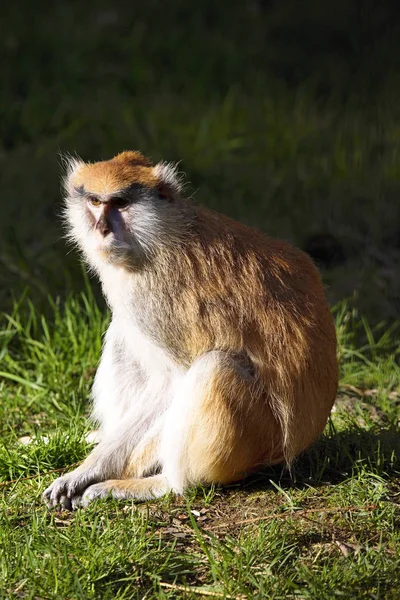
(136, 377)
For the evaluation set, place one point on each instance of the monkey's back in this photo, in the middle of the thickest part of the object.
(229, 287)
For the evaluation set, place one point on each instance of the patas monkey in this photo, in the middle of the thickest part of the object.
(221, 352)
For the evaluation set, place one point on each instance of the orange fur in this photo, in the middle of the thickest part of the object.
(107, 177)
(231, 430)
(141, 489)
(144, 457)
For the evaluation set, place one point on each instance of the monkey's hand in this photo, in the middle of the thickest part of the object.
(63, 489)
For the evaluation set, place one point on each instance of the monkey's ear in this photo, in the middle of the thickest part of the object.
(70, 166)
(169, 180)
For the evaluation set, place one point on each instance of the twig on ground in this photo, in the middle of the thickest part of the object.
(351, 388)
(199, 590)
(6, 483)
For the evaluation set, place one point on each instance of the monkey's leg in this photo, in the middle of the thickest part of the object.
(218, 428)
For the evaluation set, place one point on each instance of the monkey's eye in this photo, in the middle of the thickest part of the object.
(94, 201)
(120, 203)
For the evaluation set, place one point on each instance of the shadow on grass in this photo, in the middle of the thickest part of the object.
(336, 457)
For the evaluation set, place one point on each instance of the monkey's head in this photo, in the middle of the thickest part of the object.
(124, 210)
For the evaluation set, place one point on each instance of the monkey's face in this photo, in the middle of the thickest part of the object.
(123, 210)
(108, 224)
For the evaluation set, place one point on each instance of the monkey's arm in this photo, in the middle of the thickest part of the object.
(127, 409)
(113, 458)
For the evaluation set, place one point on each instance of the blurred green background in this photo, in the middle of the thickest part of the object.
(284, 115)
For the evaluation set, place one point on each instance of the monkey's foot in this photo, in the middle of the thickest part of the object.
(63, 489)
(147, 488)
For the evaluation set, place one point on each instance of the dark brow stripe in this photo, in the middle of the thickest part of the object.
(80, 190)
(127, 192)
(124, 193)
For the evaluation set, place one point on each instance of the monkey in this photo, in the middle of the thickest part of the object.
(220, 356)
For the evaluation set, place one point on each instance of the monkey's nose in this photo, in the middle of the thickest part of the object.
(103, 226)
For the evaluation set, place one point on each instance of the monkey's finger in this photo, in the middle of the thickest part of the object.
(76, 502)
(46, 496)
(56, 495)
(54, 492)
(66, 503)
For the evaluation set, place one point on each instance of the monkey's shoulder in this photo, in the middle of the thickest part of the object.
(232, 246)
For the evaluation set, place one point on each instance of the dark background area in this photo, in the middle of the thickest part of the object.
(284, 115)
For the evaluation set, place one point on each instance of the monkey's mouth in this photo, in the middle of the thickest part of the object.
(112, 249)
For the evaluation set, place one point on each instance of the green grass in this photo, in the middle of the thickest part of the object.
(330, 530)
